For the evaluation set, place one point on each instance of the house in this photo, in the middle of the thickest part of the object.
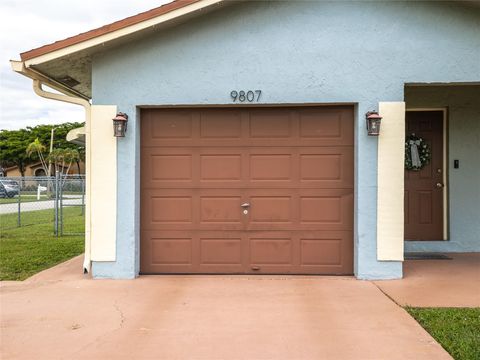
(36, 169)
(247, 149)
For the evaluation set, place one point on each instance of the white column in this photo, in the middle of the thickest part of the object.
(103, 183)
(390, 196)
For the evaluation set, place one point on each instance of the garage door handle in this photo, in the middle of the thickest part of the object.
(245, 205)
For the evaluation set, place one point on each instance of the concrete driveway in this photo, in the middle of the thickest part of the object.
(60, 315)
(437, 283)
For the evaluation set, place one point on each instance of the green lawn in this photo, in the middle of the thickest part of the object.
(29, 249)
(456, 329)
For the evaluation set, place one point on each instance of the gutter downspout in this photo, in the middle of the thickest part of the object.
(37, 88)
(72, 97)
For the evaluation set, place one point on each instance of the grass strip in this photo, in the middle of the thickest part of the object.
(456, 329)
(27, 250)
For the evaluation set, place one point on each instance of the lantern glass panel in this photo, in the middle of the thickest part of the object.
(374, 127)
(119, 128)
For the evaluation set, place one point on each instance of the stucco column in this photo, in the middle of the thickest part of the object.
(128, 199)
(365, 234)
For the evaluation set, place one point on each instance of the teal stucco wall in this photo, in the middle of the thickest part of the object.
(295, 52)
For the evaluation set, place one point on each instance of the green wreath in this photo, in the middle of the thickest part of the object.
(416, 159)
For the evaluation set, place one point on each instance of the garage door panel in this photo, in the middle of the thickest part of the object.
(318, 252)
(171, 167)
(220, 251)
(171, 251)
(220, 209)
(271, 123)
(326, 251)
(330, 127)
(166, 209)
(327, 167)
(193, 251)
(327, 124)
(269, 209)
(166, 167)
(320, 167)
(271, 251)
(175, 124)
(223, 168)
(304, 209)
(193, 167)
(201, 209)
(328, 211)
(220, 123)
(272, 167)
(171, 210)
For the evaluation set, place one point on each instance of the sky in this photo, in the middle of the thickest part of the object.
(28, 24)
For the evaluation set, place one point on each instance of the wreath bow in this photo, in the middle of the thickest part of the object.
(417, 153)
(416, 162)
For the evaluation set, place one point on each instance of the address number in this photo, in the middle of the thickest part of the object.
(246, 96)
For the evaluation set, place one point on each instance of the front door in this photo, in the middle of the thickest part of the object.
(424, 188)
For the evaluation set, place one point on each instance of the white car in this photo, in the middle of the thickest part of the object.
(8, 188)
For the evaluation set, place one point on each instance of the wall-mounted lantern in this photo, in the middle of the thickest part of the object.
(120, 124)
(373, 123)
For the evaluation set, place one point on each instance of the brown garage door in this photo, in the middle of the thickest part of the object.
(290, 168)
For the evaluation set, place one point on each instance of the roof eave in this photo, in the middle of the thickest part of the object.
(21, 68)
(115, 31)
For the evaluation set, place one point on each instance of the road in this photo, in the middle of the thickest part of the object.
(39, 205)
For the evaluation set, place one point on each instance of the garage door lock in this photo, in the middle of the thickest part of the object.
(245, 207)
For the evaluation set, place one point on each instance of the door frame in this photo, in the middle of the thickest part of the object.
(445, 178)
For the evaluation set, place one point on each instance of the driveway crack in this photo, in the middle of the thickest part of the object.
(122, 316)
(387, 295)
(101, 337)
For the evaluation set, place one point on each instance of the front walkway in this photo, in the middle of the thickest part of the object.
(438, 283)
(58, 314)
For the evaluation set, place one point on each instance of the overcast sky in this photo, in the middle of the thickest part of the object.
(28, 24)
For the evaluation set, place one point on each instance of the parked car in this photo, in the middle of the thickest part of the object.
(8, 188)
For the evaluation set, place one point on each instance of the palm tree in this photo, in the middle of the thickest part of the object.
(37, 148)
(63, 159)
(70, 156)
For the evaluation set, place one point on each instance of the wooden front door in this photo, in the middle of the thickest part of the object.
(424, 189)
(247, 190)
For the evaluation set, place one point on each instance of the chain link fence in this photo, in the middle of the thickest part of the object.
(56, 201)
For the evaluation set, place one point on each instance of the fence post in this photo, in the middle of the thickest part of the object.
(19, 222)
(56, 205)
(60, 191)
(83, 194)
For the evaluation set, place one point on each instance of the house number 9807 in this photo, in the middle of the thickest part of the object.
(246, 96)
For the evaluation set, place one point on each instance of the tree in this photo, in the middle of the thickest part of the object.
(13, 144)
(63, 159)
(37, 148)
(43, 132)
